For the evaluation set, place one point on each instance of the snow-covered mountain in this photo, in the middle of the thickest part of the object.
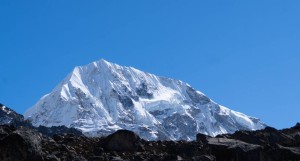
(102, 97)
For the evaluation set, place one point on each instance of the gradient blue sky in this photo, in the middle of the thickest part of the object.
(243, 54)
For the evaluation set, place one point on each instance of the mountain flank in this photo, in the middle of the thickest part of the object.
(102, 97)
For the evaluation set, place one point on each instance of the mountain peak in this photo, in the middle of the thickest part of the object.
(100, 63)
(103, 97)
(103, 61)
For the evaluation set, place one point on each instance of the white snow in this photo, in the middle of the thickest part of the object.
(102, 97)
(5, 110)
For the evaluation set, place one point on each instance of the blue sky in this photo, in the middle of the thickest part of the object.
(243, 54)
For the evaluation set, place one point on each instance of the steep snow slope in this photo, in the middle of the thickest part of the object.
(102, 97)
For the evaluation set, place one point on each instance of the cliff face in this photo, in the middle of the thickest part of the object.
(262, 145)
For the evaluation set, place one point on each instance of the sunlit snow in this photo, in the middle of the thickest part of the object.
(102, 97)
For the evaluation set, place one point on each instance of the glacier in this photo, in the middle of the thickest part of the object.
(102, 97)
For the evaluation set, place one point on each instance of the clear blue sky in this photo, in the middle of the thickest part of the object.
(243, 54)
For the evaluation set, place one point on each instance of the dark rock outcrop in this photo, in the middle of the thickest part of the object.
(20, 141)
(143, 91)
(274, 145)
(20, 144)
(122, 140)
(229, 149)
(24, 143)
(58, 130)
(9, 116)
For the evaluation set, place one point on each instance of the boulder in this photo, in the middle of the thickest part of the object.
(202, 138)
(122, 140)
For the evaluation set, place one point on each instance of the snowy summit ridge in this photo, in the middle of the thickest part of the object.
(102, 97)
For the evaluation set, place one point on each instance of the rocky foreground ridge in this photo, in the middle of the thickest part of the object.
(20, 141)
(27, 144)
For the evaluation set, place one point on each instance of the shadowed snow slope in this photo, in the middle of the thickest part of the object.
(102, 97)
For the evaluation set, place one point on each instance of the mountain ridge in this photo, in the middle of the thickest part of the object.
(103, 97)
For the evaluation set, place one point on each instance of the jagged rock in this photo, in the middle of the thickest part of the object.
(197, 97)
(21, 145)
(267, 136)
(26, 144)
(9, 116)
(143, 91)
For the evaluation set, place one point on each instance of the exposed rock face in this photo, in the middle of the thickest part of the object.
(263, 145)
(9, 116)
